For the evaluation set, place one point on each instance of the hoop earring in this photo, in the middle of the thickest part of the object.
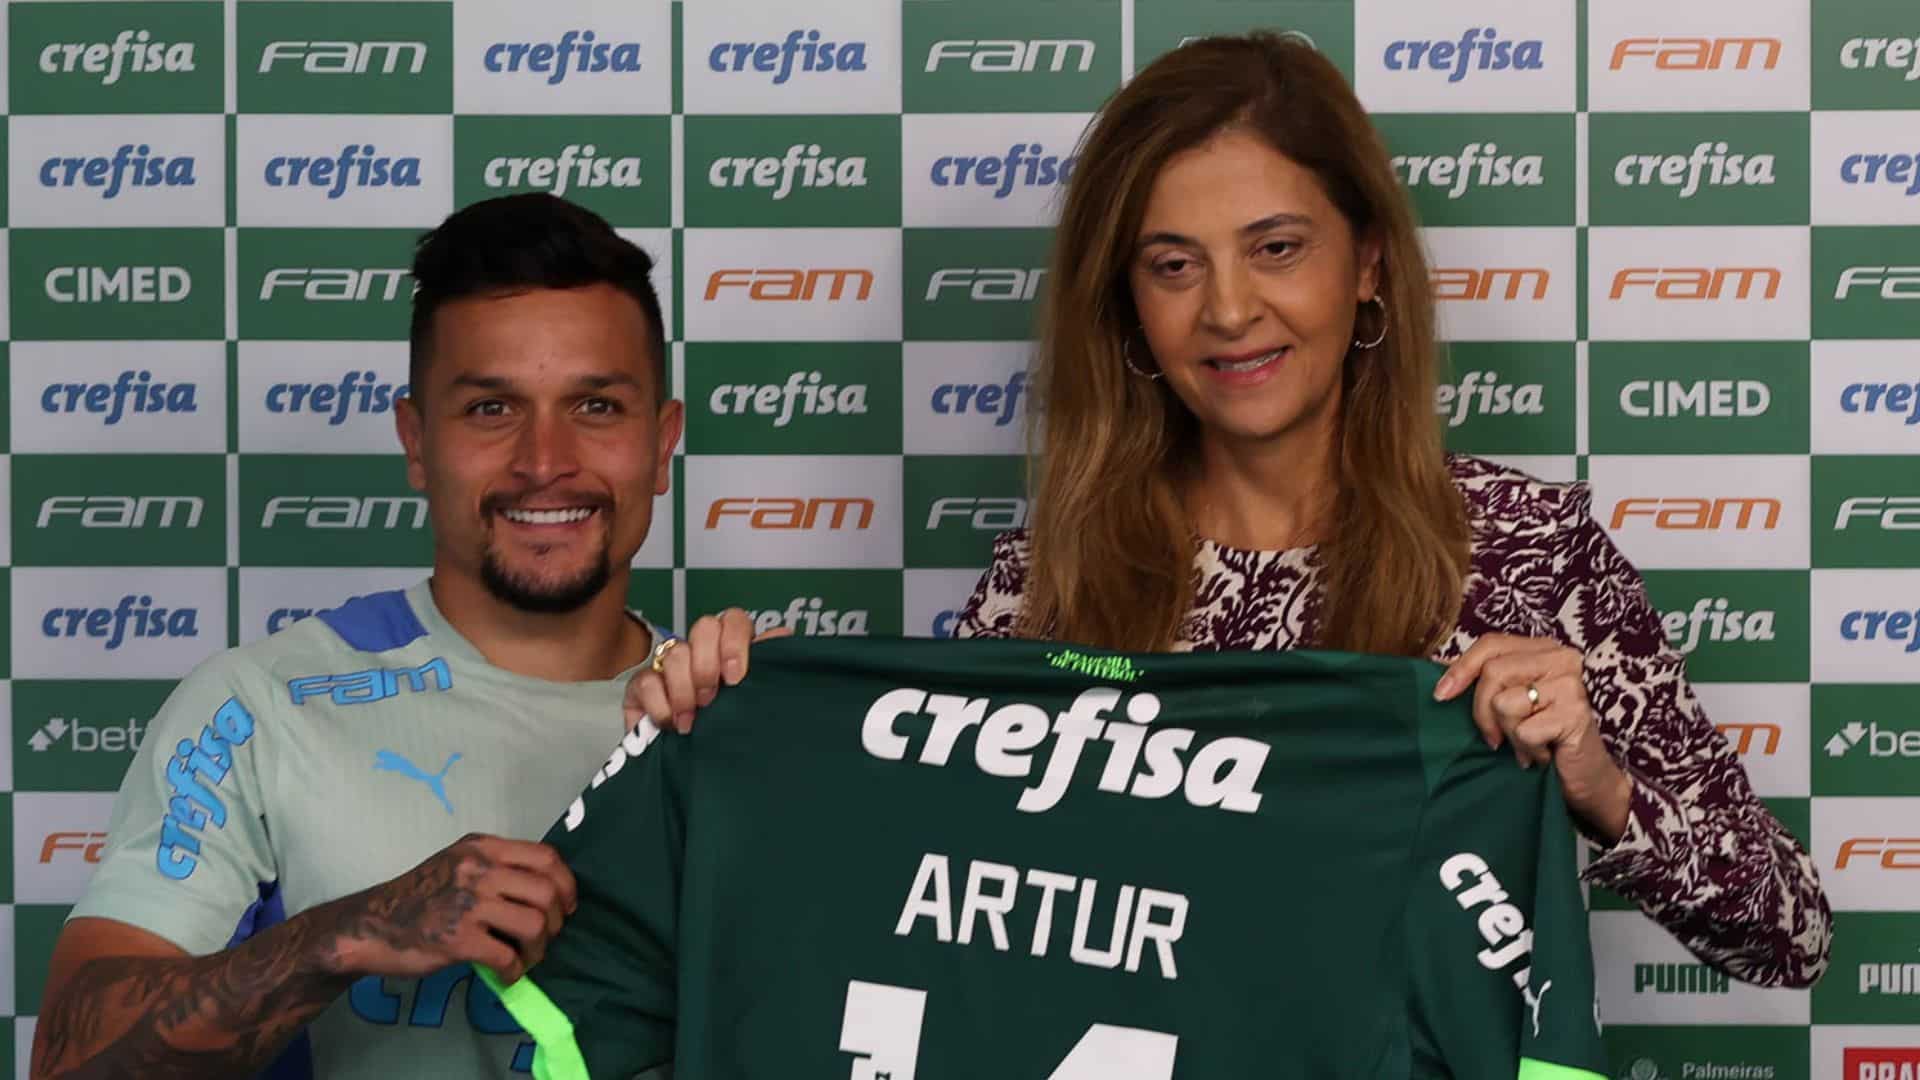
(1126, 356)
(1382, 336)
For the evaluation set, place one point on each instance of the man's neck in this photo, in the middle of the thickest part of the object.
(598, 640)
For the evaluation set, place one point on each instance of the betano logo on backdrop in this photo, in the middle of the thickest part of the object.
(801, 51)
(131, 52)
(577, 52)
(792, 284)
(1477, 49)
(131, 165)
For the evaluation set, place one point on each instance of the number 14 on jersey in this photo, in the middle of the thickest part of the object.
(881, 1027)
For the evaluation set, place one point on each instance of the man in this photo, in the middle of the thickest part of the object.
(264, 875)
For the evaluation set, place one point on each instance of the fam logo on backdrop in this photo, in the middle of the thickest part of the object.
(793, 284)
(563, 57)
(333, 510)
(793, 511)
(1721, 284)
(391, 58)
(1645, 56)
(58, 839)
(1502, 57)
(1503, 284)
(1061, 57)
(325, 284)
(119, 510)
(1863, 286)
(1699, 512)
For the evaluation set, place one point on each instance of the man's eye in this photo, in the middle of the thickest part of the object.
(600, 406)
(487, 407)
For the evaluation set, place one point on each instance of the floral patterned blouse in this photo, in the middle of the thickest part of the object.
(1700, 854)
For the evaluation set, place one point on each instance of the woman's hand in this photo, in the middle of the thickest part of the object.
(1554, 723)
(691, 670)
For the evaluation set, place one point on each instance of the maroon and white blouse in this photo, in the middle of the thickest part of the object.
(1700, 854)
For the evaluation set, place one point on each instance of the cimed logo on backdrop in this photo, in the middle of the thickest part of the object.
(801, 52)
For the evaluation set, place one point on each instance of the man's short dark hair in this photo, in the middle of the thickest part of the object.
(520, 242)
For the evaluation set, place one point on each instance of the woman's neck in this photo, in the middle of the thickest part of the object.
(1263, 496)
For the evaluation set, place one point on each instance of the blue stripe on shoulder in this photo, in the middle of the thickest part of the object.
(376, 622)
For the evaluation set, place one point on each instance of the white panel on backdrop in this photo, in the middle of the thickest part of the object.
(772, 56)
(1732, 55)
(1556, 468)
(114, 622)
(1490, 56)
(281, 411)
(274, 599)
(656, 552)
(965, 397)
(102, 171)
(1770, 727)
(118, 397)
(362, 171)
(753, 510)
(1005, 170)
(1699, 511)
(1502, 284)
(658, 244)
(1866, 170)
(56, 838)
(1699, 284)
(564, 57)
(1866, 627)
(1866, 397)
(934, 599)
(1868, 852)
(792, 284)
(1644, 976)
(1865, 1052)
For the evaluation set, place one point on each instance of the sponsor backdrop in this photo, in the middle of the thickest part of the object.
(1677, 250)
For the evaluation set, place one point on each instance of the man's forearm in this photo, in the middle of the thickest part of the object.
(222, 1015)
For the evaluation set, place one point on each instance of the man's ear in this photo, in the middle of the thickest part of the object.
(669, 423)
(409, 425)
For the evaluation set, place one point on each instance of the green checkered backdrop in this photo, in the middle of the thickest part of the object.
(1668, 239)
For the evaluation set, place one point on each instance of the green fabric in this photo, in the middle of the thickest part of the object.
(1531, 1069)
(890, 855)
(558, 1057)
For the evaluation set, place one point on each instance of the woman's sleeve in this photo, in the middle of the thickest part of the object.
(993, 611)
(1701, 854)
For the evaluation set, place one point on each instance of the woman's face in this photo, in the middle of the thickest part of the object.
(1247, 279)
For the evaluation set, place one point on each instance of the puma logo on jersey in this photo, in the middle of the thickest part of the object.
(390, 761)
(1533, 1002)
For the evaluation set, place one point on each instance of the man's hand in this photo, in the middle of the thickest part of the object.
(692, 669)
(482, 899)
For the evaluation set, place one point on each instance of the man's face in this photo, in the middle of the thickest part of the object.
(540, 440)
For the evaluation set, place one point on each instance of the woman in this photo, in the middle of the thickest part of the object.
(1239, 451)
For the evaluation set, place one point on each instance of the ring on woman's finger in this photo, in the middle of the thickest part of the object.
(1533, 697)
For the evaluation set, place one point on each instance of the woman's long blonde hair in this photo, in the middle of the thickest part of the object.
(1112, 542)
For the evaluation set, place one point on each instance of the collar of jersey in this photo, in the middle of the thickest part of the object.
(450, 642)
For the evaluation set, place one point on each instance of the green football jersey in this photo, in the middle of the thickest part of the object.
(947, 860)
